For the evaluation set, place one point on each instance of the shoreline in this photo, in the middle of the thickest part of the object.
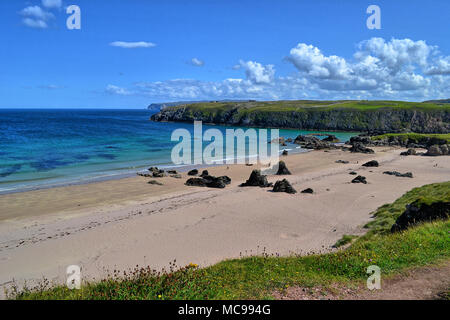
(128, 222)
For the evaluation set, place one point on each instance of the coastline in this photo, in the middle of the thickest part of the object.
(123, 223)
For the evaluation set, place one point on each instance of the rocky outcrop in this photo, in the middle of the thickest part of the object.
(282, 169)
(193, 172)
(360, 148)
(283, 186)
(420, 211)
(438, 150)
(409, 152)
(310, 142)
(360, 179)
(371, 163)
(256, 179)
(385, 118)
(209, 181)
(398, 174)
(331, 138)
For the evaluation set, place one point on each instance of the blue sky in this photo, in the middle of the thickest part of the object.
(217, 49)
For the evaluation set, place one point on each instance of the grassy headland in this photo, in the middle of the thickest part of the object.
(259, 276)
(350, 115)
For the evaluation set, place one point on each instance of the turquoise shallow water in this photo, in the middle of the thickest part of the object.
(44, 148)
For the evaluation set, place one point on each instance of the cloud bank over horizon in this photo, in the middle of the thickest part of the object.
(397, 69)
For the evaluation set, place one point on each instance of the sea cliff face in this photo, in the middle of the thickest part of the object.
(420, 118)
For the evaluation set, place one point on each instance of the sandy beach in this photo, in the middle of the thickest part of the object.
(119, 224)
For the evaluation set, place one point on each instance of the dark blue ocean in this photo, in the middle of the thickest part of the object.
(44, 148)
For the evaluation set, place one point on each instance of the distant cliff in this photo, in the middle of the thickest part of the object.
(375, 116)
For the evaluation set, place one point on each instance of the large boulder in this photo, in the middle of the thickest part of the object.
(204, 173)
(409, 152)
(438, 150)
(310, 142)
(209, 181)
(193, 172)
(371, 163)
(421, 211)
(331, 138)
(282, 169)
(256, 179)
(283, 186)
(360, 179)
(360, 148)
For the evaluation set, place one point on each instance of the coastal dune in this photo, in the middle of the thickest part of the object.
(123, 223)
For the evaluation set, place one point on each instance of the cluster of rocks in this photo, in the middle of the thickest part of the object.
(360, 148)
(435, 146)
(409, 152)
(438, 150)
(418, 212)
(398, 174)
(209, 181)
(311, 142)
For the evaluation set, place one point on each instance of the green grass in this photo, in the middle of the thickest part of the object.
(346, 239)
(415, 137)
(259, 276)
(304, 105)
(386, 215)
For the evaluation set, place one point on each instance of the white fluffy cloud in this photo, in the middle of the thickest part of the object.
(197, 62)
(257, 73)
(112, 89)
(379, 69)
(52, 3)
(132, 45)
(36, 17)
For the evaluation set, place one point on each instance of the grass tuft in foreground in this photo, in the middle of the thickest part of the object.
(259, 276)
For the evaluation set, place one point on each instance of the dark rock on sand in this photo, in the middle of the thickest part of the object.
(282, 169)
(409, 152)
(308, 190)
(310, 142)
(204, 173)
(172, 171)
(360, 148)
(371, 163)
(419, 211)
(176, 176)
(155, 182)
(283, 186)
(359, 179)
(284, 153)
(193, 172)
(147, 175)
(196, 182)
(398, 174)
(331, 138)
(256, 179)
(342, 161)
(159, 174)
(438, 150)
(353, 173)
(209, 181)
